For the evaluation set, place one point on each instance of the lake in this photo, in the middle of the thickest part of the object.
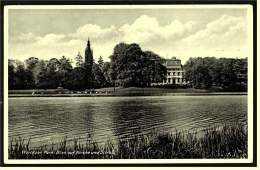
(50, 119)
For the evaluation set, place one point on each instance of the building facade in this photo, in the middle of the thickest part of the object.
(175, 72)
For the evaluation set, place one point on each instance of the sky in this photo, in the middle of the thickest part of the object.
(179, 32)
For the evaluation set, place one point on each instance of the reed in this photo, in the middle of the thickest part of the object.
(228, 141)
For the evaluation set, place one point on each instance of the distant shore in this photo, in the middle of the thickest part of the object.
(119, 91)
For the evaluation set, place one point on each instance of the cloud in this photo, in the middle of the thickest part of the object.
(146, 28)
(225, 36)
(26, 36)
(95, 32)
(225, 26)
(50, 39)
(142, 30)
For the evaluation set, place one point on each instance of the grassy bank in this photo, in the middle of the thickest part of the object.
(229, 141)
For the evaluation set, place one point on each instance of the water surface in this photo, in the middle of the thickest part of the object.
(50, 119)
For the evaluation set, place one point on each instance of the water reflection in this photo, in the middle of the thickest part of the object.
(84, 123)
(134, 117)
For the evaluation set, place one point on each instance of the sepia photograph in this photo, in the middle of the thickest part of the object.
(128, 83)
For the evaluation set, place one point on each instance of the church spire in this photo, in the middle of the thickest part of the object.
(89, 64)
(89, 54)
(88, 44)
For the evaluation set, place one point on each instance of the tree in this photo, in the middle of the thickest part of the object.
(51, 76)
(79, 60)
(222, 73)
(42, 78)
(99, 79)
(76, 79)
(100, 62)
(156, 70)
(31, 62)
(197, 72)
(106, 69)
(23, 79)
(11, 74)
(130, 66)
(124, 64)
(65, 68)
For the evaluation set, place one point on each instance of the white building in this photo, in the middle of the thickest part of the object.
(175, 72)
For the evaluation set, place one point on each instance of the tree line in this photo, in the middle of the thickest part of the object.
(223, 73)
(129, 66)
(54, 73)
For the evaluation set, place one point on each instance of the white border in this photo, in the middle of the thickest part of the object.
(132, 161)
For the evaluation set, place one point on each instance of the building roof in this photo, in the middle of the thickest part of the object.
(173, 62)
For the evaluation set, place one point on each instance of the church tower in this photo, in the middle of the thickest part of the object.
(89, 55)
(88, 66)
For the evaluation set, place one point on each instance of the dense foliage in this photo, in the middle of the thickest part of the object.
(129, 66)
(223, 73)
(53, 73)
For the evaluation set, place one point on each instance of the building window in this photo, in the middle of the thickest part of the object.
(169, 80)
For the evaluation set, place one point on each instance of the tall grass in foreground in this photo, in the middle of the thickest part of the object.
(229, 141)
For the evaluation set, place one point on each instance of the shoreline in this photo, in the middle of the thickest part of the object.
(131, 91)
(125, 95)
